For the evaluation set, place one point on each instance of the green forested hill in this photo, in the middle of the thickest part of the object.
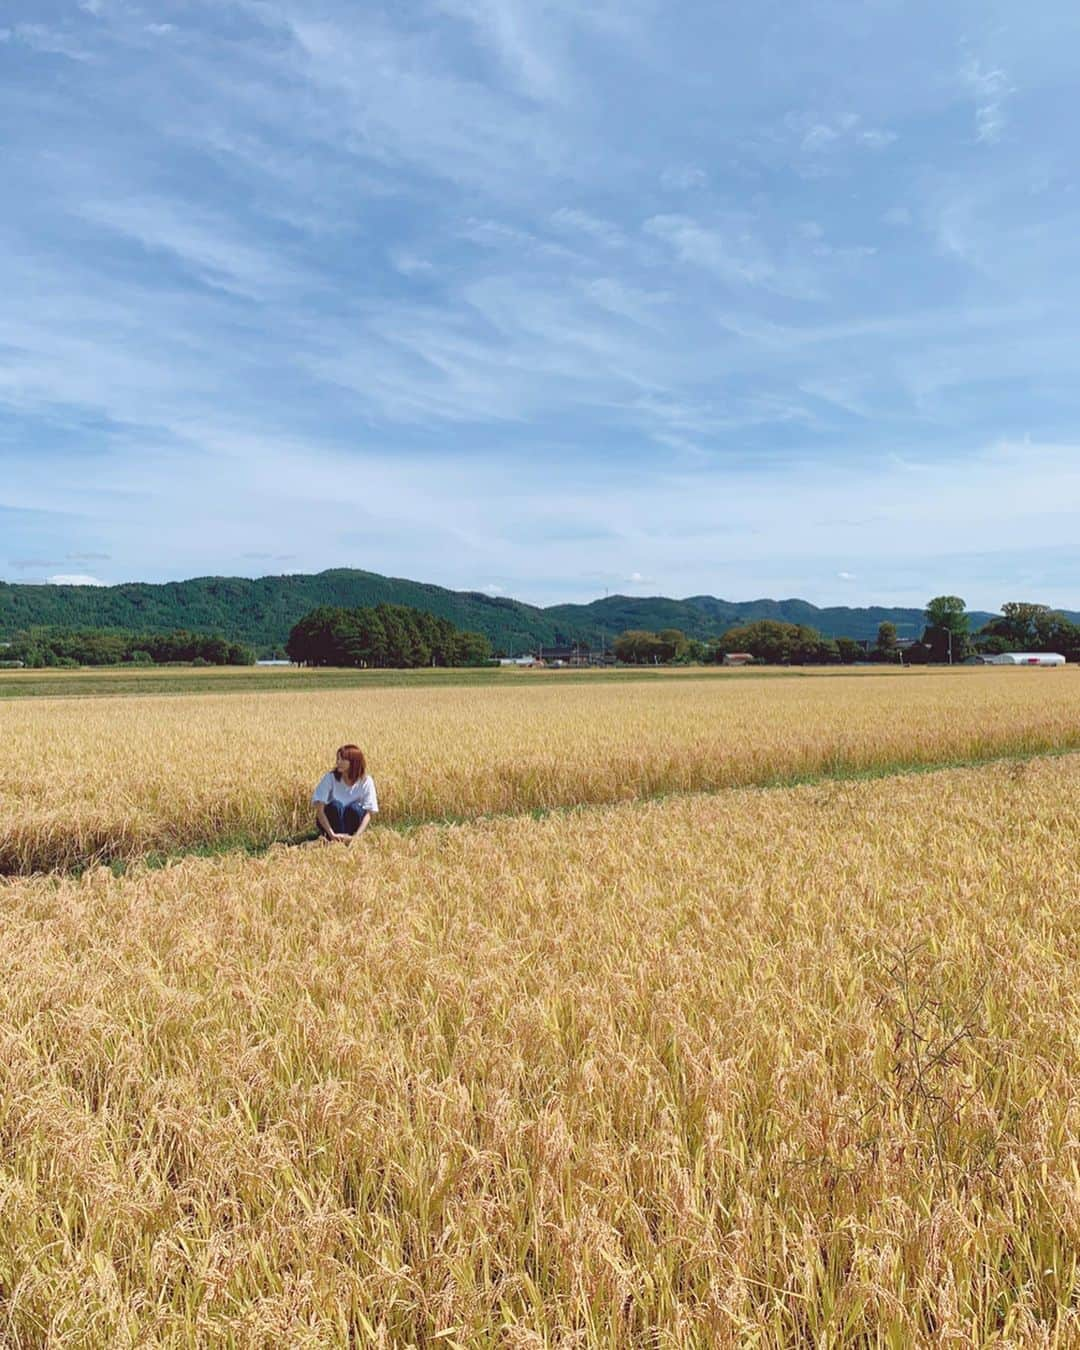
(261, 611)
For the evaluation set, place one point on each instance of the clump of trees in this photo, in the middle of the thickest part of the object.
(782, 644)
(770, 641)
(59, 647)
(639, 647)
(383, 635)
(1024, 627)
(1020, 627)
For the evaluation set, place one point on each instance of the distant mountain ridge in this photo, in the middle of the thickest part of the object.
(262, 610)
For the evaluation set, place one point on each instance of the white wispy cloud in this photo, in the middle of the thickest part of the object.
(874, 138)
(683, 177)
(409, 265)
(74, 579)
(207, 246)
(630, 302)
(990, 87)
(581, 222)
(850, 393)
(734, 254)
(520, 36)
(819, 136)
(846, 130)
(47, 41)
(378, 91)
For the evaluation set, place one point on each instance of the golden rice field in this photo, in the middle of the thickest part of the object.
(85, 779)
(795, 1067)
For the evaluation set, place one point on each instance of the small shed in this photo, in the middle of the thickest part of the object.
(1026, 659)
(737, 658)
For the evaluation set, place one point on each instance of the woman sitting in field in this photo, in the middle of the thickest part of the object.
(345, 798)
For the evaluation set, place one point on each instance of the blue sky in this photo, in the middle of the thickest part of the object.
(545, 297)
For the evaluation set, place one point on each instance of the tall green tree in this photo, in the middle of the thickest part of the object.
(673, 643)
(886, 639)
(470, 649)
(949, 612)
(946, 632)
(1022, 624)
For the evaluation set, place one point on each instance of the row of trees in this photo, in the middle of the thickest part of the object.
(383, 635)
(398, 635)
(41, 647)
(1021, 627)
(767, 640)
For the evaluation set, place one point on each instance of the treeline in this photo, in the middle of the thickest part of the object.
(945, 637)
(40, 647)
(1020, 627)
(383, 635)
(770, 641)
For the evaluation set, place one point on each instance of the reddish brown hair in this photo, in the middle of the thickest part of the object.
(357, 765)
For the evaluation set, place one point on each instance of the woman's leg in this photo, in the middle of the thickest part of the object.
(333, 818)
(352, 819)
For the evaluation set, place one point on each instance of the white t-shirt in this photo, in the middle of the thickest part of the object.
(360, 794)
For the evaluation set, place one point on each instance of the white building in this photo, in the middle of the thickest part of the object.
(1025, 659)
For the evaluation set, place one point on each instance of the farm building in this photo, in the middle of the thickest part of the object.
(1025, 659)
(575, 654)
(737, 658)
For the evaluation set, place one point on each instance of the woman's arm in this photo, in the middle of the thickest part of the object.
(365, 821)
